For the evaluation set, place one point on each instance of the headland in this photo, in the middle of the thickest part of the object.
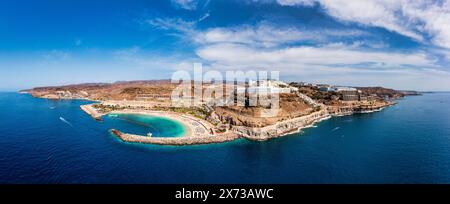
(300, 105)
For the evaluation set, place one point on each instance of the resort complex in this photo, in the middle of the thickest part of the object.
(286, 108)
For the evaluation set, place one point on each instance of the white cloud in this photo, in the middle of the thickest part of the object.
(261, 35)
(335, 64)
(412, 18)
(185, 29)
(304, 56)
(296, 2)
(203, 17)
(348, 57)
(55, 56)
(265, 35)
(434, 19)
(186, 4)
(174, 24)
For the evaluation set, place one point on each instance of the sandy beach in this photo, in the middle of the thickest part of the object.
(198, 131)
(193, 128)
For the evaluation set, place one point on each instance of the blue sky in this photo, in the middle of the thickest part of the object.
(399, 44)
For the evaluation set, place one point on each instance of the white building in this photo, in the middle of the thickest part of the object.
(343, 88)
(327, 89)
(266, 87)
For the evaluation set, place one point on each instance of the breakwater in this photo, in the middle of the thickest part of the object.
(178, 141)
(91, 111)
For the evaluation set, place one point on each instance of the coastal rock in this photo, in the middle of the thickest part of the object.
(281, 128)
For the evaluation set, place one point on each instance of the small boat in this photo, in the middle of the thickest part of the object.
(149, 134)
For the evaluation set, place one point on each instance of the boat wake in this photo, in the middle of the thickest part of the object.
(65, 121)
(336, 128)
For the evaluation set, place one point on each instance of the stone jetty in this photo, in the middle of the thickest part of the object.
(177, 141)
(91, 111)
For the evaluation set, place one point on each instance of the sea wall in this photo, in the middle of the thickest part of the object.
(352, 109)
(91, 111)
(178, 141)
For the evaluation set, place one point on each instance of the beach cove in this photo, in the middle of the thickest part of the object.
(202, 132)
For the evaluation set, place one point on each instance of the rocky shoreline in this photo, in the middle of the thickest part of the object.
(350, 110)
(282, 128)
(279, 129)
(208, 136)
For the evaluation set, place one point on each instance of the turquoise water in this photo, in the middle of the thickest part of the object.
(406, 143)
(144, 124)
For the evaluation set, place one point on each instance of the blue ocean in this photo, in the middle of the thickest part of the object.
(53, 141)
